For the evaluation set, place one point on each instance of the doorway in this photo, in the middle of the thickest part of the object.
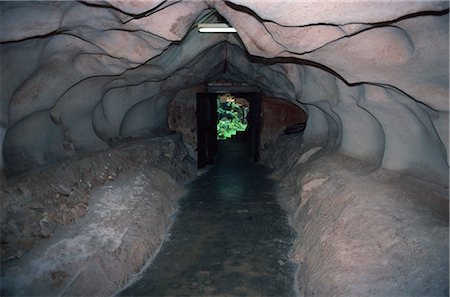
(242, 117)
(232, 115)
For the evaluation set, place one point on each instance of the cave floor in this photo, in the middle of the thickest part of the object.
(229, 238)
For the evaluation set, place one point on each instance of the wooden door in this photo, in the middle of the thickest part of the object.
(206, 128)
(254, 121)
(255, 118)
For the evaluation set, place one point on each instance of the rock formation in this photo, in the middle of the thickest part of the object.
(86, 75)
(81, 77)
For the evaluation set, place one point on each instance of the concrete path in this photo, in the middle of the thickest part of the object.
(230, 237)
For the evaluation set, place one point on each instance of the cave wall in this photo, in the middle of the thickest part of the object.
(77, 229)
(90, 75)
(77, 81)
(81, 77)
(362, 231)
(277, 115)
(183, 117)
(379, 124)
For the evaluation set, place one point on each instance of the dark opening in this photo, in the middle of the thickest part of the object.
(232, 115)
(225, 116)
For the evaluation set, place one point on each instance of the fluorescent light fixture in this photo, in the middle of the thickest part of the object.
(215, 28)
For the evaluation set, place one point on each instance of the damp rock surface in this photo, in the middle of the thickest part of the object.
(230, 237)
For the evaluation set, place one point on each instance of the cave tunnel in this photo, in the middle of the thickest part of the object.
(101, 193)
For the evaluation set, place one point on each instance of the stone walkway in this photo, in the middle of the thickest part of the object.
(230, 237)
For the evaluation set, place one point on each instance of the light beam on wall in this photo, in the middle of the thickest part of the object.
(215, 28)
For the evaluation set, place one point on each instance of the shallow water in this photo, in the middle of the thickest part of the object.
(230, 237)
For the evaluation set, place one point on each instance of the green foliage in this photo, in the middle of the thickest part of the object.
(231, 118)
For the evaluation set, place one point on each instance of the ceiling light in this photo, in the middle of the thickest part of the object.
(215, 28)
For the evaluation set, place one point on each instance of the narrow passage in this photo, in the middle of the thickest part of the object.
(230, 237)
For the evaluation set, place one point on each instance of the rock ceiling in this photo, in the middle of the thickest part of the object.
(79, 76)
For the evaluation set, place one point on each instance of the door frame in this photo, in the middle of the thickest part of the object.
(206, 113)
(255, 119)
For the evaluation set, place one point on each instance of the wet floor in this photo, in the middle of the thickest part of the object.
(230, 237)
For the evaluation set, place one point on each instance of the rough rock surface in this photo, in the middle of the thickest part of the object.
(81, 77)
(277, 115)
(183, 117)
(88, 74)
(362, 231)
(118, 203)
